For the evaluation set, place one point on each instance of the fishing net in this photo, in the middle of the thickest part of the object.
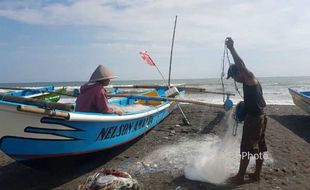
(110, 179)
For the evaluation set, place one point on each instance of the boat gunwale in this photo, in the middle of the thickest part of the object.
(78, 116)
(294, 93)
(96, 117)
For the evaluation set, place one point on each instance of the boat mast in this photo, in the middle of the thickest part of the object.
(175, 24)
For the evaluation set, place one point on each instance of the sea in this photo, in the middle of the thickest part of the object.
(275, 89)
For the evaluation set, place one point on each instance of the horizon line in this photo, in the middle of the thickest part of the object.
(143, 80)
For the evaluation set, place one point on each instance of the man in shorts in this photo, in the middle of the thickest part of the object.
(253, 136)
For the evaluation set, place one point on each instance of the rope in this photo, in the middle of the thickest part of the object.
(230, 63)
(235, 127)
(223, 73)
(226, 56)
(162, 76)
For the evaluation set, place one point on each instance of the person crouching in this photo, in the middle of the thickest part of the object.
(93, 95)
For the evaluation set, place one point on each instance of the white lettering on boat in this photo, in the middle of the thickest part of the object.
(124, 128)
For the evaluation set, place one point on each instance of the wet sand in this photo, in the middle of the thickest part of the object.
(287, 136)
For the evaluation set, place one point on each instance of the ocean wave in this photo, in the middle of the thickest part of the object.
(275, 89)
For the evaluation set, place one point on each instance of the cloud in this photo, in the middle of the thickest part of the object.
(270, 27)
(257, 19)
(255, 23)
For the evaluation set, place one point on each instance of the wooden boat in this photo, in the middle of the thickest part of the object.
(301, 99)
(34, 130)
(48, 93)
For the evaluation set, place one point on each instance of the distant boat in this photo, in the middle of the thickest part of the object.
(47, 93)
(301, 99)
(34, 129)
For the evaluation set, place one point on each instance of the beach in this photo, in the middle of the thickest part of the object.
(157, 160)
(95, 94)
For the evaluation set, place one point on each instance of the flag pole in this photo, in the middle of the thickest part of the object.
(149, 61)
(147, 58)
(175, 24)
(162, 76)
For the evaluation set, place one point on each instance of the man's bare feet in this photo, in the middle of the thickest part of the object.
(237, 180)
(254, 177)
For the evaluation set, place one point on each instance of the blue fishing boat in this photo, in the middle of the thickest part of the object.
(32, 131)
(301, 98)
(48, 93)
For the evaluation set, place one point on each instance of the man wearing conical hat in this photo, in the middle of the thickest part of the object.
(93, 95)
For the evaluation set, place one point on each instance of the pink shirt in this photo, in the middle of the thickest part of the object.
(93, 98)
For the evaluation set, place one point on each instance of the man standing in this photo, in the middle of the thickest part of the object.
(253, 136)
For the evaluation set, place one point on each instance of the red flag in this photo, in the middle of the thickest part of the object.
(146, 57)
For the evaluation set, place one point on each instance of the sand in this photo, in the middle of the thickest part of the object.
(158, 159)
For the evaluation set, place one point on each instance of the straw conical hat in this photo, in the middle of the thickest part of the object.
(101, 73)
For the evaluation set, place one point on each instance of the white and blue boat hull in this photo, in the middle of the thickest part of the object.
(301, 99)
(29, 136)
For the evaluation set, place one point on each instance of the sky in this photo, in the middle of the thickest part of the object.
(65, 40)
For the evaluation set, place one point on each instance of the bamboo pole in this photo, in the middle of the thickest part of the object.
(186, 88)
(141, 86)
(203, 90)
(166, 99)
(43, 91)
(42, 111)
(35, 102)
(195, 102)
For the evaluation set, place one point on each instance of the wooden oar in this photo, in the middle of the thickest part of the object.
(166, 99)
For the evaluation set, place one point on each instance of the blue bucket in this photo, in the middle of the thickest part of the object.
(240, 112)
(228, 104)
